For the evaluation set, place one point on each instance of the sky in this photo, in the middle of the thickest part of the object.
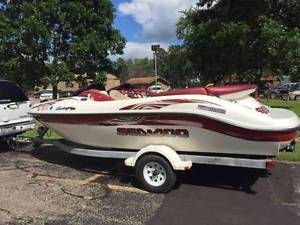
(147, 22)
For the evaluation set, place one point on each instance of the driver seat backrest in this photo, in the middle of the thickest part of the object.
(187, 91)
(95, 95)
(117, 95)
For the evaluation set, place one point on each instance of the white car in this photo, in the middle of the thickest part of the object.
(14, 108)
(47, 95)
(295, 95)
(155, 88)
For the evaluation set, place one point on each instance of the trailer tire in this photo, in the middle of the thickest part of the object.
(155, 173)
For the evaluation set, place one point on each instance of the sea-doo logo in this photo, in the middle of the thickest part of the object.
(66, 108)
(158, 132)
(43, 107)
(212, 109)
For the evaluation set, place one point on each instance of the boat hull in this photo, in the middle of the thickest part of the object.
(197, 124)
(179, 138)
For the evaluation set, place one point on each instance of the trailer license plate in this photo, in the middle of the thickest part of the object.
(8, 130)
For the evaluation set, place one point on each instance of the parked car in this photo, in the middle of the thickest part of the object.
(47, 95)
(14, 108)
(65, 94)
(281, 91)
(37, 94)
(268, 92)
(295, 94)
(286, 88)
(155, 88)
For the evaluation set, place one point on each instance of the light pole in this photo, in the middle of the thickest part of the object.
(155, 48)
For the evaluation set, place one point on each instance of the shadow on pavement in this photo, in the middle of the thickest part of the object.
(85, 164)
(82, 163)
(240, 179)
(209, 196)
(3, 147)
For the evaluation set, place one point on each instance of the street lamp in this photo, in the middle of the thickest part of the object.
(155, 48)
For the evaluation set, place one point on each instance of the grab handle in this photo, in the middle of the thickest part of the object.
(13, 106)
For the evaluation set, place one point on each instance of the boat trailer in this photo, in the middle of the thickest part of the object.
(155, 164)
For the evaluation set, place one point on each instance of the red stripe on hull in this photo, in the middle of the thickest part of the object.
(171, 120)
(163, 103)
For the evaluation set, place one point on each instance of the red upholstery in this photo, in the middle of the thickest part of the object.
(95, 95)
(218, 91)
(188, 91)
(214, 91)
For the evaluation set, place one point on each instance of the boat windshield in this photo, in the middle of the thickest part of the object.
(10, 92)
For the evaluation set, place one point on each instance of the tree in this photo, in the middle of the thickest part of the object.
(174, 65)
(126, 69)
(58, 71)
(121, 69)
(55, 39)
(244, 38)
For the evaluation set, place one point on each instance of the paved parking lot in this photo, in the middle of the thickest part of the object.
(48, 186)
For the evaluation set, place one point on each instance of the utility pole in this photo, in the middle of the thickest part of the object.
(155, 48)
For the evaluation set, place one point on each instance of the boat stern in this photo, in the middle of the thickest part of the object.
(289, 121)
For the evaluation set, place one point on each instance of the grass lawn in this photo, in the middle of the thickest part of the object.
(294, 106)
(33, 133)
(291, 105)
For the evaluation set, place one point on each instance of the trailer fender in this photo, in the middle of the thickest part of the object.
(163, 150)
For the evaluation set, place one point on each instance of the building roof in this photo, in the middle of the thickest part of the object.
(111, 76)
(145, 80)
(270, 78)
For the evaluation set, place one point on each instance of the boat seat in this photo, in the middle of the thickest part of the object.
(95, 95)
(117, 95)
(218, 91)
(187, 91)
(212, 91)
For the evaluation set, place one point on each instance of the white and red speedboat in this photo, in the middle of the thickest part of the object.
(219, 120)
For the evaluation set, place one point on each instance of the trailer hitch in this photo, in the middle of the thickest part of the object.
(19, 144)
(38, 141)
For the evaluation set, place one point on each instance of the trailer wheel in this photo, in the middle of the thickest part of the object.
(155, 173)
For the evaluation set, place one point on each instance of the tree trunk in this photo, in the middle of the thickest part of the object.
(230, 79)
(54, 88)
(258, 76)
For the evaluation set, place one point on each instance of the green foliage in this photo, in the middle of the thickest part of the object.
(242, 37)
(290, 156)
(59, 71)
(174, 65)
(129, 68)
(100, 78)
(56, 38)
(121, 69)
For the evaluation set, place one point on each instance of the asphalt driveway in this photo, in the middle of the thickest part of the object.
(49, 186)
(216, 195)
